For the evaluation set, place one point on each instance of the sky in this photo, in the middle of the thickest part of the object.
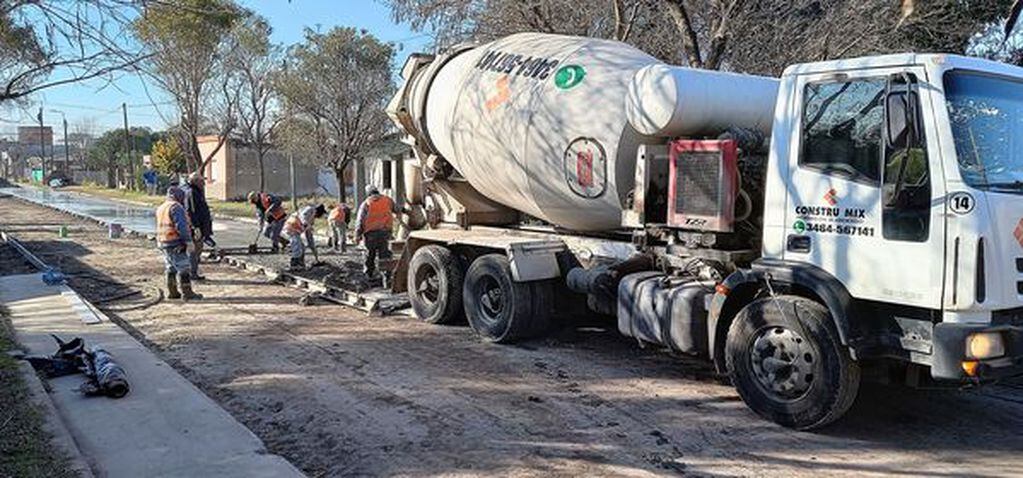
(99, 102)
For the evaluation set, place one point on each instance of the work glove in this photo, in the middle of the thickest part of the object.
(190, 248)
(182, 249)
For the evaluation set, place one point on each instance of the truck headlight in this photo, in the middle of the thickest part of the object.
(984, 345)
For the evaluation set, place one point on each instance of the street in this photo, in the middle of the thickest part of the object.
(337, 392)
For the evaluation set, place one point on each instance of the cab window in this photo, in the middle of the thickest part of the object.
(906, 189)
(842, 123)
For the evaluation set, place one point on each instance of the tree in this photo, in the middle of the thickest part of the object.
(338, 83)
(755, 36)
(107, 152)
(252, 63)
(44, 44)
(187, 42)
(167, 157)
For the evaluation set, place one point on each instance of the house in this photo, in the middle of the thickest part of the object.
(234, 171)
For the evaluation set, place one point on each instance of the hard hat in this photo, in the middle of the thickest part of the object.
(252, 197)
(371, 189)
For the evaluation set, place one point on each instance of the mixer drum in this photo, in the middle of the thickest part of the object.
(541, 123)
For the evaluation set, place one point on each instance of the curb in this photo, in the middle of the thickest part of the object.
(60, 437)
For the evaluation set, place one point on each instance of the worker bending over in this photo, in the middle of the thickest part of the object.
(338, 221)
(271, 215)
(375, 222)
(174, 238)
(298, 224)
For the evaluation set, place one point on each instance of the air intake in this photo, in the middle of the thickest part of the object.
(703, 184)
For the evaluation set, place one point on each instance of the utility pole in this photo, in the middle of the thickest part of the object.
(67, 151)
(42, 145)
(127, 149)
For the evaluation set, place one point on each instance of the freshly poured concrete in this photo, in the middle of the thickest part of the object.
(164, 427)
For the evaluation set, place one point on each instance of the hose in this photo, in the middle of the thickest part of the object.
(155, 298)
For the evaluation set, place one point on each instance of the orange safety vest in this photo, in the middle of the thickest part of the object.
(294, 225)
(337, 215)
(274, 212)
(166, 231)
(378, 214)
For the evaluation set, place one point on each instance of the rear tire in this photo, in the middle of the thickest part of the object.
(435, 278)
(500, 309)
(791, 367)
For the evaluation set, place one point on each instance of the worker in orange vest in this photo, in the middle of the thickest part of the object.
(375, 222)
(271, 215)
(174, 238)
(338, 220)
(301, 224)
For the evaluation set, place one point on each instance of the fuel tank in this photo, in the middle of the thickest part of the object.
(549, 124)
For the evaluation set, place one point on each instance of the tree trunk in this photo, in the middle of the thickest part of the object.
(339, 174)
(262, 170)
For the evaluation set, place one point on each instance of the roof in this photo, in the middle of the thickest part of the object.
(902, 59)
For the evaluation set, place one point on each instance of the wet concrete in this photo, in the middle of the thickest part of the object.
(142, 219)
(136, 218)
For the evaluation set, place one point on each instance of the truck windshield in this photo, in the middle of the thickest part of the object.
(986, 113)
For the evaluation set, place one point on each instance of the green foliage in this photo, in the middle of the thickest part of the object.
(167, 157)
(334, 89)
(108, 153)
(175, 31)
(187, 40)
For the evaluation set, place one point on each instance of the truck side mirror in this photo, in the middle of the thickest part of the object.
(900, 112)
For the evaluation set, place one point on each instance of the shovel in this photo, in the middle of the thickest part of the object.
(316, 260)
(253, 248)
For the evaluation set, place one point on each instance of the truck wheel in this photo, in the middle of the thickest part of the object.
(785, 358)
(435, 279)
(500, 309)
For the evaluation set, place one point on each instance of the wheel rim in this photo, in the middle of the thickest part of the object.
(427, 283)
(783, 363)
(491, 299)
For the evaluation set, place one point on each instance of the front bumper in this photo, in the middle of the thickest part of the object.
(950, 352)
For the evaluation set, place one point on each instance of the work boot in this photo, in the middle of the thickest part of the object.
(172, 286)
(185, 283)
(297, 264)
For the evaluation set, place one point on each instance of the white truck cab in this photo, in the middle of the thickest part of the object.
(934, 242)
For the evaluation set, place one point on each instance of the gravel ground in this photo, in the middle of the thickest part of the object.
(340, 393)
(12, 263)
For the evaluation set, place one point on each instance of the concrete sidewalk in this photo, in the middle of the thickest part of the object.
(164, 427)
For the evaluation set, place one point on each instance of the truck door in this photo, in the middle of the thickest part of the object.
(863, 204)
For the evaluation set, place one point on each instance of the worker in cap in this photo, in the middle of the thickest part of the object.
(174, 238)
(271, 215)
(374, 222)
(300, 224)
(338, 220)
(199, 214)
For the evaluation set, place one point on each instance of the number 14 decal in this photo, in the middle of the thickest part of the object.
(961, 202)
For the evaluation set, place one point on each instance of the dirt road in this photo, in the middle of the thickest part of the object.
(340, 393)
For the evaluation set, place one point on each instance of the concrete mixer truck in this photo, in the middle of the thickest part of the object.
(853, 219)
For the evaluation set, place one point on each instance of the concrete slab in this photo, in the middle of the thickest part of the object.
(164, 427)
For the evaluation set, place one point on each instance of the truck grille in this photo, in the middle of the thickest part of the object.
(1007, 317)
(1019, 268)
